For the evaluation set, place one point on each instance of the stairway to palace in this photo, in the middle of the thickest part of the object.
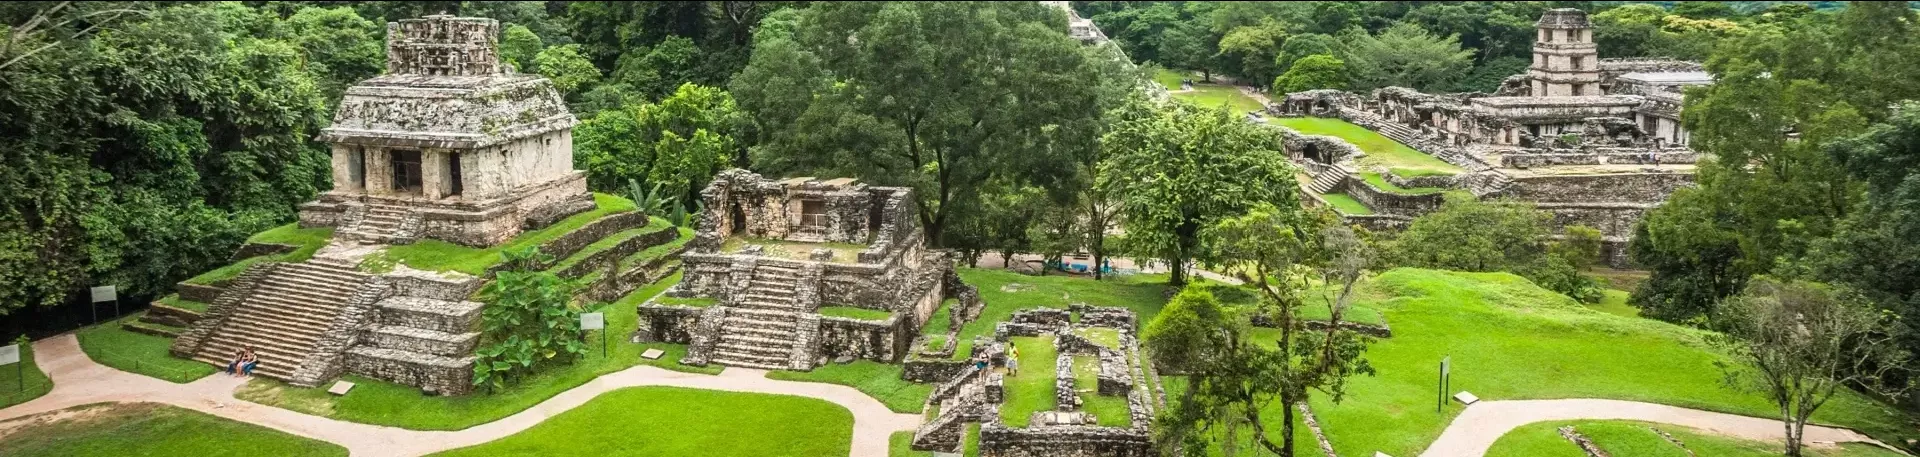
(760, 331)
(384, 224)
(284, 316)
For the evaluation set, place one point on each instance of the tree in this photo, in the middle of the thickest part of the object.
(1300, 46)
(341, 48)
(519, 46)
(1313, 72)
(1876, 249)
(527, 323)
(570, 72)
(1472, 235)
(1183, 168)
(921, 95)
(1232, 379)
(1404, 55)
(1801, 343)
(1248, 52)
(677, 144)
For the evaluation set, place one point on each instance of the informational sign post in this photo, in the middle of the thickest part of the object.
(10, 354)
(105, 294)
(596, 321)
(1446, 372)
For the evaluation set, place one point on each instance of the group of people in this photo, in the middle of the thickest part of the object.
(980, 362)
(243, 362)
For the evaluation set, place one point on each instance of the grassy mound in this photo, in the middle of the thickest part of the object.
(155, 430)
(1505, 335)
(1383, 151)
(111, 345)
(673, 421)
(308, 240)
(1637, 439)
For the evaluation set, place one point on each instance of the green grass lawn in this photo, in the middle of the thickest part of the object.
(155, 430)
(1110, 411)
(309, 240)
(12, 392)
(1402, 160)
(1345, 204)
(878, 380)
(697, 302)
(1505, 335)
(1315, 309)
(654, 224)
(1215, 96)
(113, 346)
(1140, 293)
(1380, 182)
(1170, 78)
(900, 444)
(675, 421)
(174, 300)
(854, 313)
(1613, 301)
(1103, 336)
(1032, 389)
(1636, 439)
(385, 403)
(655, 252)
(436, 255)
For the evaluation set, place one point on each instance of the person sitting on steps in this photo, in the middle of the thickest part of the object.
(246, 369)
(233, 368)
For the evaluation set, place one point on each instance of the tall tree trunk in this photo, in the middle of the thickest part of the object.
(1286, 429)
(1099, 254)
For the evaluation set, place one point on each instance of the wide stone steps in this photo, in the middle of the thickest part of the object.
(281, 344)
(762, 332)
(769, 290)
(284, 317)
(1326, 180)
(779, 352)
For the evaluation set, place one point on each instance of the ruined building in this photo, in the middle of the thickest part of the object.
(787, 274)
(449, 144)
(1594, 141)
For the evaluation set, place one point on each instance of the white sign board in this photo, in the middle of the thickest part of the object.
(104, 293)
(593, 321)
(1446, 365)
(9, 354)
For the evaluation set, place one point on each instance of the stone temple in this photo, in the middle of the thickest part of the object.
(449, 144)
(790, 273)
(1591, 140)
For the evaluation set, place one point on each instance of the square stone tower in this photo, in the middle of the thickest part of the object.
(1565, 59)
(449, 144)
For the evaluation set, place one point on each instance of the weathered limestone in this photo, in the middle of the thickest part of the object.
(766, 310)
(449, 144)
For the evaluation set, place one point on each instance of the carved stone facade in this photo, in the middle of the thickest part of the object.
(449, 144)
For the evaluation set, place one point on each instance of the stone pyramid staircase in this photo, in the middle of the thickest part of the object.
(761, 330)
(1327, 179)
(384, 224)
(284, 317)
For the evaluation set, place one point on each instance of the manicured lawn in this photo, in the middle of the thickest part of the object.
(113, 346)
(1215, 96)
(1505, 335)
(1100, 335)
(854, 313)
(878, 380)
(310, 241)
(1110, 411)
(1381, 183)
(1345, 204)
(654, 224)
(1615, 302)
(436, 255)
(1006, 291)
(12, 375)
(1170, 78)
(900, 444)
(654, 252)
(1032, 389)
(384, 403)
(1380, 150)
(941, 320)
(174, 300)
(155, 430)
(675, 421)
(1316, 303)
(697, 302)
(1636, 439)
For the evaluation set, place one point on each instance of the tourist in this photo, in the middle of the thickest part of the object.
(246, 369)
(1013, 360)
(239, 357)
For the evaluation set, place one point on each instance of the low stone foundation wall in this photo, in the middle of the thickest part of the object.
(668, 324)
(438, 376)
(884, 341)
(1379, 222)
(606, 257)
(1391, 203)
(932, 370)
(997, 440)
(160, 313)
(199, 292)
(252, 249)
(435, 315)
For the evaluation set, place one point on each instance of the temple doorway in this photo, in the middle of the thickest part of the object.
(406, 171)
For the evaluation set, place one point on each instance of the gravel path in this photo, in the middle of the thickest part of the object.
(79, 381)
(1475, 430)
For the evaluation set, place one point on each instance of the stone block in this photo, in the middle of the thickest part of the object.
(340, 388)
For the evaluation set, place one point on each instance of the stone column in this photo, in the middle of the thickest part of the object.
(379, 172)
(434, 182)
(347, 172)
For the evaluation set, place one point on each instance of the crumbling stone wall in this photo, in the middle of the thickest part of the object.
(1392, 203)
(1614, 187)
(998, 440)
